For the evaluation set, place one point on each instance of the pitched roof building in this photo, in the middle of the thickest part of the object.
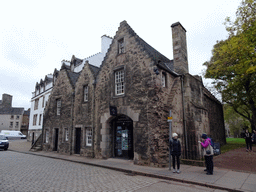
(120, 108)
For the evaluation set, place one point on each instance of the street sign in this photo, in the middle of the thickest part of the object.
(169, 119)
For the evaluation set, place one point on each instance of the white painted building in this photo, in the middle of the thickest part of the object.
(43, 89)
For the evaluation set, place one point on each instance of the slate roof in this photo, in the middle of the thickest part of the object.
(73, 77)
(95, 70)
(11, 111)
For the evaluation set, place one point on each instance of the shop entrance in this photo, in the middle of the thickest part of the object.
(123, 137)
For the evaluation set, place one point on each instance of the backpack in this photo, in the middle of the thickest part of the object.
(212, 143)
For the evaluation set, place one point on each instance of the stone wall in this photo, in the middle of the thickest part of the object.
(62, 90)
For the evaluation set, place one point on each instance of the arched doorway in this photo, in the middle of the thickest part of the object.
(122, 127)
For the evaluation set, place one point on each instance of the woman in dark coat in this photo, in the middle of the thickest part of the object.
(175, 150)
(248, 140)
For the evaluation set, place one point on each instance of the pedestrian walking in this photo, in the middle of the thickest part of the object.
(208, 153)
(175, 150)
(248, 140)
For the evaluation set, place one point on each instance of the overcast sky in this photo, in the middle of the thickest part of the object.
(35, 36)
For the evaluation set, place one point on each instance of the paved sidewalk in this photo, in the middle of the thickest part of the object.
(222, 179)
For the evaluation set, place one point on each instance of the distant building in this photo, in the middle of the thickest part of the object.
(25, 122)
(43, 89)
(10, 117)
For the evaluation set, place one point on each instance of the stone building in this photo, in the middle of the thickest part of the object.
(120, 109)
(10, 117)
(44, 88)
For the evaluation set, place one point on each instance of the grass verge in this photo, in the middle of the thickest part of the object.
(233, 143)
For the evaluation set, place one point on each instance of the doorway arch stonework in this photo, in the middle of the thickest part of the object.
(106, 130)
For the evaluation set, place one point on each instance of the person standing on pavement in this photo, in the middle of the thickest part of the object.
(248, 140)
(208, 153)
(175, 150)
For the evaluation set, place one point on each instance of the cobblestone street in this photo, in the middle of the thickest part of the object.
(23, 172)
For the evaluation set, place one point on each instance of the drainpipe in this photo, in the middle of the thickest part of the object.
(184, 116)
(93, 116)
(72, 121)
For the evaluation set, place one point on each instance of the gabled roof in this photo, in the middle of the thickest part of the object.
(95, 70)
(11, 111)
(73, 77)
(159, 58)
(76, 61)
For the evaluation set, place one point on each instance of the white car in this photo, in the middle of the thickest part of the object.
(4, 143)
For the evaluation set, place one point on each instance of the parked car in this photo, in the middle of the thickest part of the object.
(4, 143)
(13, 134)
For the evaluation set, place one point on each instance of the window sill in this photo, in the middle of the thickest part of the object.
(118, 96)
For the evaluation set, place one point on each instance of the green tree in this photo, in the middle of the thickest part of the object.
(233, 63)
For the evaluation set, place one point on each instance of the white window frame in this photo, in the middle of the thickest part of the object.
(89, 137)
(86, 93)
(46, 136)
(119, 82)
(11, 124)
(58, 101)
(66, 134)
(163, 80)
(16, 124)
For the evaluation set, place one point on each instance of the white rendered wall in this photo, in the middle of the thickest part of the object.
(5, 120)
(38, 111)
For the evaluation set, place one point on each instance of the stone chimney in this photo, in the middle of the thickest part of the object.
(6, 101)
(180, 55)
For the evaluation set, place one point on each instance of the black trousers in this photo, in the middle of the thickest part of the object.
(249, 144)
(209, 163)
(176, 158)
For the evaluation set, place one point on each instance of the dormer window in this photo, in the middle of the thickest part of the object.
(163, 80)
(121, 46)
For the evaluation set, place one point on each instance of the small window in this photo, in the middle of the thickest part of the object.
(12, 116)
(163, 80)
(40, 119)
(121, 46)
(36, 104)
(11, 124)
(66, 134)
(89, 137)
(46, 136)
(85, 93)
(43, 102)
(17, 117)
(34, 119)
(58, 101)
(119, 82)
(17, 125)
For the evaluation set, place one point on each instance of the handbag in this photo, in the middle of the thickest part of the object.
(209, 150)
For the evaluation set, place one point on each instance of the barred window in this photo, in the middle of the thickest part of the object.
(58, 101)
(85, 93)
(89, 137)
(119, 82)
